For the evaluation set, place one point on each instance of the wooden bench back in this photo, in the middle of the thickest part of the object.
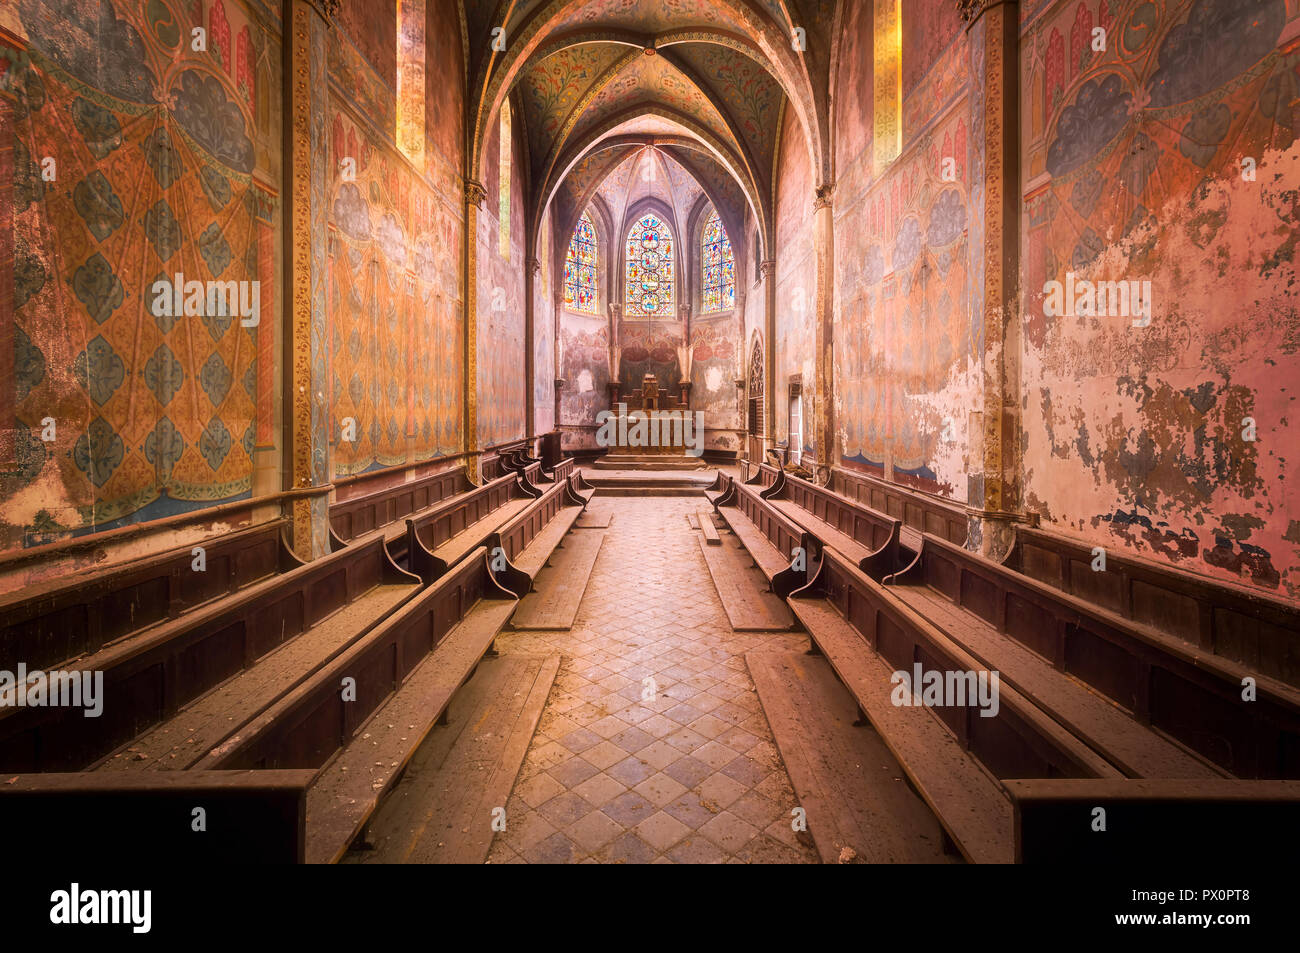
(525, 527)
(1164, 682)
(430, 529)
(785, 535)
(870, 528)
(149, 677)
(49, 623)
(354, 516)
(920, 511)
(1259, 630)
(1014, 744)
(306, 727)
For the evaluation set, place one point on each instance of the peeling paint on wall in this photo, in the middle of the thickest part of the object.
(1139, 437)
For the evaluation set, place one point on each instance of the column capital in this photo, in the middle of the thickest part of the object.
(767, 268)
(534, 266)
(684, 312)
(475, 193)
(615, 309)
(824, 194)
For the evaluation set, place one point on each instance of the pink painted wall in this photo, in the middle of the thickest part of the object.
(905, 339)
(1133, 436)
(544, 331)
(796, 277)
(501, 344)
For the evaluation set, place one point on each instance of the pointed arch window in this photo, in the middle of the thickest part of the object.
(719, 292)
(650, 270)
(580, 268)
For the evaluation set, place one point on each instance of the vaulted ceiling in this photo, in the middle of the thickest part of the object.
(705, 81)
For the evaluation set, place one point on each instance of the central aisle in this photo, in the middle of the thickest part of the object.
(690, 775)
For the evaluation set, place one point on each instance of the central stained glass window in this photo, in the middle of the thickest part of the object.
(580, 268)
(719, 291)
(649, 253)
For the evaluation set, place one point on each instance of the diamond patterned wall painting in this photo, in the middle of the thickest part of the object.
(649, 255)
(395, 328)
(580, 268)
(719, 289)
(156, 151)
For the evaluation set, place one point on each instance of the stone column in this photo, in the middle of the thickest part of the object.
(684, 315)
(305, 429)
(824, 359)
(742, 354)
(530, 370)
(995, 488)
(768, 270)
(557, 359)
(474, 196)
(615, 354)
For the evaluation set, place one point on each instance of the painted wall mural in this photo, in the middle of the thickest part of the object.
(585, 371)
(714, 370)
(501, 380)
(134, 160)
(650, 348)
(796, 279)
(907, 332)
(906, 356)
(544, 331)
(395, 329)
(1137, 436)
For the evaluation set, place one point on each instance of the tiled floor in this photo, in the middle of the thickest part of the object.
(690, 775)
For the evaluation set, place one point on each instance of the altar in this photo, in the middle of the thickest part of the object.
(652, 396)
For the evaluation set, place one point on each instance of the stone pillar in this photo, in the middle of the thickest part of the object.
(474, 196)
(768, 270)
(995, 489)
(305, 429)
(615, 353)
(558, 358)
(684, 315)
(742, 354)
(530, 359)
(824, 359)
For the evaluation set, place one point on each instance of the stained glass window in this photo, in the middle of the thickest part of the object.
(719, 266)
(650, 251)
(580, 268)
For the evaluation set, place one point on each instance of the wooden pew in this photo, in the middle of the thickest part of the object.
(355, 515)
(1242, 624)
(857, 531)
(1187, 694)
(561, 471)
(250, 817)
(579, 485)
(184, 739)
(718, 489)
(1199, 825)
(50, 623)
(772, 540)
(876, 543)
(529, 539)
(954, 757)
(439, 538)
(919, 511)
(148, 676)
(404, 674)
